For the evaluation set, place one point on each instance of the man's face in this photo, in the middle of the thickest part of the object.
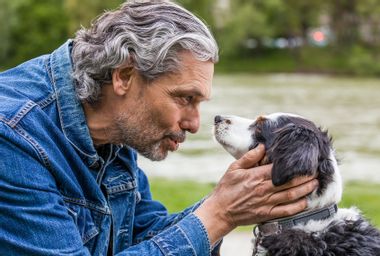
(156, 116)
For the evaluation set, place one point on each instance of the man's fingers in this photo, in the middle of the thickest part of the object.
(250, 158)
(263, 172)
(294, 193)
(280, 211)
(296, 182)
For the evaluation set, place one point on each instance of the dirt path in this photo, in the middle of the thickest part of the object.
(237, 244)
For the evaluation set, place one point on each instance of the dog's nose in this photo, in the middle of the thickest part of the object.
(218, 119)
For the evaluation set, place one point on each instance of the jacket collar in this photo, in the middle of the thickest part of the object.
(70, 110)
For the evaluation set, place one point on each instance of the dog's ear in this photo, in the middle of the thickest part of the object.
(325, 168)
(294, 152)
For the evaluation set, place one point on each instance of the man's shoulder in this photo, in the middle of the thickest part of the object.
(31, 71)
(24, 85)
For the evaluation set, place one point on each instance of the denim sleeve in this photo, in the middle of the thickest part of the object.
(33, 218)
(185, 238)
(171, 232)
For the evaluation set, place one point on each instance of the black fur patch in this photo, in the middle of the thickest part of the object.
(349, 238)
(296, 147)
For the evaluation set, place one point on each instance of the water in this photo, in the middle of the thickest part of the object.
(348, 108)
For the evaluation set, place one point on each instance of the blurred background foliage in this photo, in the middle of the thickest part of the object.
(335, 37)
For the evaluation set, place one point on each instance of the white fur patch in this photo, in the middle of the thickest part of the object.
(351, 214)
(334, 190)
(234, 135)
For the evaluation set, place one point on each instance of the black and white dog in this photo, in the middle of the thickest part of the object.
(296, 147)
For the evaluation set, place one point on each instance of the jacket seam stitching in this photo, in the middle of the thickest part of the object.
(131, 185)
(4, 119)
(90, 234)
(188, 240)
(20, 114)
(41, 153)
(85, 203)
(46, 102)
(202, 227)
(46, 64)
(163, 250)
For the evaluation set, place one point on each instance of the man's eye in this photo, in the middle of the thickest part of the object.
(188, 99)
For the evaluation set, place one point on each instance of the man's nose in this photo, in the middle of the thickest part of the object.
(191, 122)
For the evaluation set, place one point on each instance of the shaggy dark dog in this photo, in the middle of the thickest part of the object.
(297, 147)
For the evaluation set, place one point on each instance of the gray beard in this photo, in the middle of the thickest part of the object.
(137, 138)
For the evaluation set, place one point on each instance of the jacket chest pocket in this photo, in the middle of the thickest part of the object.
(122, 197)
(84, 221)
(122, 194)
(119, 184)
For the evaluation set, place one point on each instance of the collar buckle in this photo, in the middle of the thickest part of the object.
(270, 228)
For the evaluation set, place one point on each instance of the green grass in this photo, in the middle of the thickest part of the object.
(365, 197)
(176, 195)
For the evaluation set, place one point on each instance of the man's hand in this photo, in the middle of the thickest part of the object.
(246, 195)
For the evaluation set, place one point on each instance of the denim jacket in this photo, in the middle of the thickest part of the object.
(58, 195)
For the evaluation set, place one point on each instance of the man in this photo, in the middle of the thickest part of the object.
(72, 121)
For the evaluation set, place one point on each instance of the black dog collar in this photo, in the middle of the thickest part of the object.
(276, 226)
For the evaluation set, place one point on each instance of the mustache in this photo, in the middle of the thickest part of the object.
(177, 136)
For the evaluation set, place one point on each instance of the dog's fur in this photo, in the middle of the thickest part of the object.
(296, 147)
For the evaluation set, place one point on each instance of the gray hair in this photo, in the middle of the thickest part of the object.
(146, 35)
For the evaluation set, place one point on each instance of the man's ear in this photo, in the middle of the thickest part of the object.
(121, 80)
(294, 153)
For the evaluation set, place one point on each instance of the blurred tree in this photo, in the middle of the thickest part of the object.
(243, 21)
(7, 19)
(32, 28)
(260, 19)
(344, 22)
(369, 12)
(82, 12)
(243, 28)
(292, 18)
(204, 9)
